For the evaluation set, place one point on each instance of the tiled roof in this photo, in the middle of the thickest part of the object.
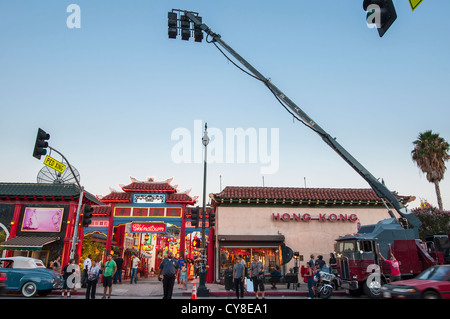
(44, 192)
(28, 242)
(101, 210)
(300, 196)
(144, 187)
(148, 186)
(117, 197)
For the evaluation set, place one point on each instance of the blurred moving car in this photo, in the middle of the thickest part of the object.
(2, 281)
(29, 276)
(432, 283)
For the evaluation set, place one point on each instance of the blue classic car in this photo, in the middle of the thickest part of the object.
(29, 276)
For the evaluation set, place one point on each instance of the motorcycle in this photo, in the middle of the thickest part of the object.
(324, 285)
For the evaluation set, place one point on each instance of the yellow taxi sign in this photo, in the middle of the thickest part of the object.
(414, 3)
(52, 163)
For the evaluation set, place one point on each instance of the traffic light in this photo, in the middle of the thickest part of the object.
(173, 28)
(196, 243)
(198, 33)
(87, 215)
(185, 27)
(380, 13)
(41, 144)
(212, 218)
(195, 216)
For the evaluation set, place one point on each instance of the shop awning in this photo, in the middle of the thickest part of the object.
(251, 240)
(34, 243)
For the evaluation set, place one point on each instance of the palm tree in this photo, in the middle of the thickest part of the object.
(430, 154)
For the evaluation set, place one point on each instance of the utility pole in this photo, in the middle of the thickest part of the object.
(202, 291)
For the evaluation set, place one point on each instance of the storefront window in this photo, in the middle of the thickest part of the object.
(268, 257)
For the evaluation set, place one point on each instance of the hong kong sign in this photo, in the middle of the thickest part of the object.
(148, 227)
(321, 217)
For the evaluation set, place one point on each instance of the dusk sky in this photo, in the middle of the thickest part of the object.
(120, 99)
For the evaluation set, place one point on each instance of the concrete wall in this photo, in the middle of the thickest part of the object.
(316, 236)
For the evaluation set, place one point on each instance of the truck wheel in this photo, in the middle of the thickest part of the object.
(372, 291)
(29, 289)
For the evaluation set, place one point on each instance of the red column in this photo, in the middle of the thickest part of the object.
(183, 231)
(70, 223)
(80, 240)
(16, 220)
(14, 226)
(110, 231)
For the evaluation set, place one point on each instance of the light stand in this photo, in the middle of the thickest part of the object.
(202, 291)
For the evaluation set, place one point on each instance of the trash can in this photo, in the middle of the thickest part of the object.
(229, 285)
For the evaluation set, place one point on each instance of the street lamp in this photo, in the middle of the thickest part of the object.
(202, 291)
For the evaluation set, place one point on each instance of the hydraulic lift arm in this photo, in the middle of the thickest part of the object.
(380, 189)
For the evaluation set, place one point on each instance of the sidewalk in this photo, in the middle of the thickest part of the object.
(152, 288)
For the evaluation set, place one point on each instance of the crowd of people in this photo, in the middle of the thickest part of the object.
(312, 269)
(111, 272)
(257, 274)
(172, 269)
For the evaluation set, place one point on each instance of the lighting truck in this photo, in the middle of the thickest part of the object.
(359, 264)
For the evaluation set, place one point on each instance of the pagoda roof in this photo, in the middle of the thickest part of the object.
(37, 192)
(148, 187)
(301, 196)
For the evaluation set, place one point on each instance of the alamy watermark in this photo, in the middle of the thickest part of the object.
(74, 18)
(373, 19)
(232, 146)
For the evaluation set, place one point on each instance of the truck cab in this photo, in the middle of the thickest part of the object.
(360, 266)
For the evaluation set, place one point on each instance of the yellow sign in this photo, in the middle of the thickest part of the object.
(52, 163)
(414, 3)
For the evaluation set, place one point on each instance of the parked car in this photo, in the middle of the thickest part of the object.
(29, 276)
(432, 283)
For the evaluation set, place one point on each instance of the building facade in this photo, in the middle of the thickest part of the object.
(260, 220)
(39, 219)
(146, 218)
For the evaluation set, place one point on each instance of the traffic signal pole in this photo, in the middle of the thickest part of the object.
(80, 203)
(39, 150)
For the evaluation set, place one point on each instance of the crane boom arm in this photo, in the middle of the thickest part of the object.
(380, 189)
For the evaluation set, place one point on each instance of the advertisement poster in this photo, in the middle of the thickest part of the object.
(38, 219)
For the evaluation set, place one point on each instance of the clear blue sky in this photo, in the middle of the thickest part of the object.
(112, 92)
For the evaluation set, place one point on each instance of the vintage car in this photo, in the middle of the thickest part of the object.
(29, 276)
(432, 283)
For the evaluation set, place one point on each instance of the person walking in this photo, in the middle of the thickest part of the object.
(311, 261)
(69, 281)
(118, 274)
(134, 268)
(257, 276)
(86, 265)
(309, 275)
(169, 270)
(239, 276)
(181, 263)
(91, 282)
(183, 276)
(56, 266)
(109, 270)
